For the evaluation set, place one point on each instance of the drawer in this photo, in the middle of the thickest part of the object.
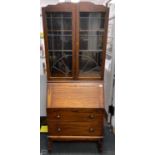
(75, 115)
(75, 129)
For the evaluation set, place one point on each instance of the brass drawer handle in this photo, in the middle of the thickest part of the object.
(59, 129)
(58, 116)
(91, 116)
(91, 130)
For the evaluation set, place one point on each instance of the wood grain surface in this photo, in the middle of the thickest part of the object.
(75, 95)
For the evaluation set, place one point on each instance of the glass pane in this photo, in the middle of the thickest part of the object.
(57, 41)
(59, 21)
(59, 25)
(90, 64)
(61, 64)
(91, 21)
(91, 43)
(92, 40)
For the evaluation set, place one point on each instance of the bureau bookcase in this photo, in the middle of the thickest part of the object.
(75, 37)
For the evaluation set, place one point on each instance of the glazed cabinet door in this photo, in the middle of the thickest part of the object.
(59, 37)
(75, 40)
(92, 32)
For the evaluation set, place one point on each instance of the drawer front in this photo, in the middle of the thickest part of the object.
(75, 129)
(75, 115)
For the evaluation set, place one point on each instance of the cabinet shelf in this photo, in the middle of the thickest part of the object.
(95, 50)
(60, 30)
(60, 50)
(91, 35)
(98, 30)
(60, 35)
(91, 17)
(59, 18)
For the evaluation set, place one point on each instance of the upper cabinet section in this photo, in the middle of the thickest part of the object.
(75, 41)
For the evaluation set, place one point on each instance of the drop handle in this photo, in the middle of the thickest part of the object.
(91, 129)
(58, 116)
(91, 116)
(58, 129)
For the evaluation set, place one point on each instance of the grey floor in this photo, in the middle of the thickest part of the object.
(80, 148)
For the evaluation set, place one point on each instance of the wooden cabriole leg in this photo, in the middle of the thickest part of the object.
(49, 145)
(100, 145)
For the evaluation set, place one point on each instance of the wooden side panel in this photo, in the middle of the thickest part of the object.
(105, 42)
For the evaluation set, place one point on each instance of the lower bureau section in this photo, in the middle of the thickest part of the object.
(75, 112)
(75, 129)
